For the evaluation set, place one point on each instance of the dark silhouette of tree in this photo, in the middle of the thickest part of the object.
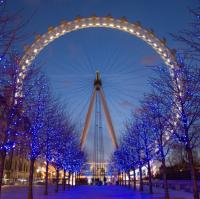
(190, 36)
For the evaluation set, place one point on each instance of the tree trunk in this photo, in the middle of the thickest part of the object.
(141, 180)
(72, 175)
(46, 179)
(122, 178)
(129, 180)
(64, 180)
(75, 176)
(150, 178)
(124, 182)
(165, 183)
(2, 162)
(119, 178)
(31, 172)
(69, 176)
(134, 180)
(125, 179)
(10, 165)
(73, 183)
(57, 180)
(79, 179)
(193, 174)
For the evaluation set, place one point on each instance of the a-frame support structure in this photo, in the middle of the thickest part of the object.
(98, 88)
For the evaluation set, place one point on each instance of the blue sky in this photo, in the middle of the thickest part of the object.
(70, 62)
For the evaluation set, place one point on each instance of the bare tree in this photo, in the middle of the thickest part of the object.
(190, 36)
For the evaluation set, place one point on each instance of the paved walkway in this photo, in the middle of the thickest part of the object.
(89, 192)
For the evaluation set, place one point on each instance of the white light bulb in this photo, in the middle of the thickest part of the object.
(164, 54)
(168, 60)
(23, 67)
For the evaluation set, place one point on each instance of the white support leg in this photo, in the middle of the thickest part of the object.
(88, 119)
(108, 119)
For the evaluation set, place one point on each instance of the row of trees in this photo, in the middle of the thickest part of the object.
(168, 115)
(34, 124)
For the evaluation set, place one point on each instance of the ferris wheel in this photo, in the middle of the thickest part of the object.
(122, 76)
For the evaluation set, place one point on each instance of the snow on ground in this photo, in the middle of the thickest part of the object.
(90, 192)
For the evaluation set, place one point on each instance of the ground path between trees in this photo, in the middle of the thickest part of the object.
(90, 192)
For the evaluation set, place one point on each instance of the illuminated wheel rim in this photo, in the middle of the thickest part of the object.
(134, 29)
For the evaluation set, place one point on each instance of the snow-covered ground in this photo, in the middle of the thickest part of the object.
(90, 192)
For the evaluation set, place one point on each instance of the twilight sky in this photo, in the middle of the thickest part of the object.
(70, 62)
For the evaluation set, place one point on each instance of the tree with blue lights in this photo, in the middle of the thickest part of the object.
(123, 154)
(159, 116)
(189, 100)
(146, 138)
(13, 122)
(182, 91)
(143, 126)
(73, 158)
(66, 153)
(118, 162)
(36, 99)
(59, 145)
(135, 142)
(50, 132)
(128, 156)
